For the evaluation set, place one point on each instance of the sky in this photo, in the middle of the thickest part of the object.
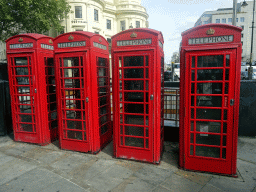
(172, 17)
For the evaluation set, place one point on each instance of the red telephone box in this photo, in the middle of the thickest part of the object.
(138, 87)
(210, 91)
(83, 90)
(32, 88)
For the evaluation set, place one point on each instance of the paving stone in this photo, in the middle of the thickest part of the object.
(97, 168)
(107, 152)
(14, 169)
(5, 158)
(254, 190)
(132, 165)
(247, 149)
(195, 177)
(64, 185)
(122, 186)
(226, 184)
(110, 178)
(139, 185)
(160, 189)
(153, 174)
(210, 188)
(20, 149)
(169, 161)
(53, 146)
(34, 180)
(247, 170)
(179, 183)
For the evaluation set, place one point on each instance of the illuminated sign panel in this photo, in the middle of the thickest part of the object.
(99, 46)
(218, 39)
(135, 42)
(23, 45)
(45, 46)
(72, 44)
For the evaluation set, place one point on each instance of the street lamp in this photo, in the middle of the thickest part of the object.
(250, 69)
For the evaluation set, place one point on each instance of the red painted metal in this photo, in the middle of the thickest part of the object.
(83, 90)
(138, 88)
(32, 88)
(210, 82)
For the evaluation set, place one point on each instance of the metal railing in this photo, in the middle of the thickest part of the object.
(171, 104)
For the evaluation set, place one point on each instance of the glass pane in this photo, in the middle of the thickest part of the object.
(53, 115)
(134, 108)
(103, 110)
(136, 131)
(102, 62)
(134, 142)
(193, 62)
(134, 73)
(71, 62)
(74, 135)
(227, 60)
(74, 72)
(224, 127)
(146, 60)
(24, 108)
(226, 88)
(74, 124)
(192, 100)
(120, 62)
(192, 113)
(147, 73)
(210, 61)
(227, 74)
(21, 71)
(21, 61)
(205, 126)
(223, 153)
(191, 149)
(209, 74)
(23, 90)
(192, 138)
(225, 114)
(208, 139)
(192, 75)
(103, 119)
(192, 126)
(209, 88)
(134, 85)
(102, 72)
(23, 80)
(147, 143)
(209, 101)
(120, 74)
(103, 101)
(208, 151)
(192, 88)
(121, 129)
(24, 99)
(134, 97)
(73, 114)
(73, 104)
(104, 129)
(134, 119)
(133, 61)
(25, 118)
(26, 127)
(72, 83)
(214, 114)
(224, 143)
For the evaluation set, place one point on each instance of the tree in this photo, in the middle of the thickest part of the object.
(31, 16)
(176, 57)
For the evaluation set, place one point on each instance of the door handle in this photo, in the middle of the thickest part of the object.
(232, 102)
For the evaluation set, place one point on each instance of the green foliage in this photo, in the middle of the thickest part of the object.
(31, 16)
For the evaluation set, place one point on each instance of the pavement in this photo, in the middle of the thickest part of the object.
(28, 167)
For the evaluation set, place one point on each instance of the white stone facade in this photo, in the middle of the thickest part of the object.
(244, 20)
(105, 16)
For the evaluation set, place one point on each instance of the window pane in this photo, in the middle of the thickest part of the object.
(78, 11)
(96, 15)
(210, 61)
(209, 88)
(207, 151)
(209, 74)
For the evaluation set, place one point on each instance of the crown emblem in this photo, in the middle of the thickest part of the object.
(70, 38)
(100, 40)
(133, 35)
(50, 41)
(210, 31)
(20, 40)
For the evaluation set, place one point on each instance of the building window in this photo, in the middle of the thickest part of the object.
(242, 43)
(78, 11)
(241, 19)
(242, 35)
(217, 20)
(108, 24)
(79, 29)
(236, 19)
(109, 40)
(230, 20)
(96, 15)
(122, 25)
(96, 32)
(242, 27)
(137, 24)
(223, 20)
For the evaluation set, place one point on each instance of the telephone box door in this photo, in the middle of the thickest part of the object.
(73, 100)
(134, 140)
(209, 116)
(24, 99)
